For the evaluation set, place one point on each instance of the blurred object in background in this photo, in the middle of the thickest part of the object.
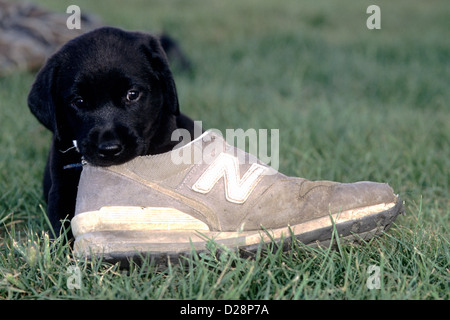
(29, 34)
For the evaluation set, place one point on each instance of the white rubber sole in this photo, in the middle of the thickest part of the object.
(119, 233)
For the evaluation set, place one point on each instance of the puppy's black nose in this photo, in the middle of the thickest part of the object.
(110, 149)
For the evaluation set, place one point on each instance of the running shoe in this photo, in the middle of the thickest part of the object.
(169, 204)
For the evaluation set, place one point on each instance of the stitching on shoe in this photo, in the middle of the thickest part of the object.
(302, 196)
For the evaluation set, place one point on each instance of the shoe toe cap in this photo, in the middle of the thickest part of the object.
(294, 201)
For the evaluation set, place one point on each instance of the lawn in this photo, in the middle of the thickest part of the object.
(350, 104)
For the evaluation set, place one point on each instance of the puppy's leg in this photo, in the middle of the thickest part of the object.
(61, 185)
(47, 181)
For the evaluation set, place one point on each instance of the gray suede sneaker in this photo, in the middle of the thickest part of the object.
(166, 205)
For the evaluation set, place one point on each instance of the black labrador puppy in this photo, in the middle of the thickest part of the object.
(108, 96)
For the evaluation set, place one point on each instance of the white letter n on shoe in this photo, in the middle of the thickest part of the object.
(237, 189)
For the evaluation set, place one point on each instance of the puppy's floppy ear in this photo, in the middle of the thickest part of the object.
(158, 61)
(41, 99)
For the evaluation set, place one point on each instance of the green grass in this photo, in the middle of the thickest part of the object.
(351, 104)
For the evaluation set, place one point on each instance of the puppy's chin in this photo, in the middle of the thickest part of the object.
(95, 159)
(106, 162)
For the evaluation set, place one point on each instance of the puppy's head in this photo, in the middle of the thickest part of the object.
(110, 90)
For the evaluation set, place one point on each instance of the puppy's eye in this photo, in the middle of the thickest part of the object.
(78, 103)
(133, 95)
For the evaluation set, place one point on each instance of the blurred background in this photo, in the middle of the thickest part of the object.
(350, 103)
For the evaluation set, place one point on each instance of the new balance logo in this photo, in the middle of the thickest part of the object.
(237, 189)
